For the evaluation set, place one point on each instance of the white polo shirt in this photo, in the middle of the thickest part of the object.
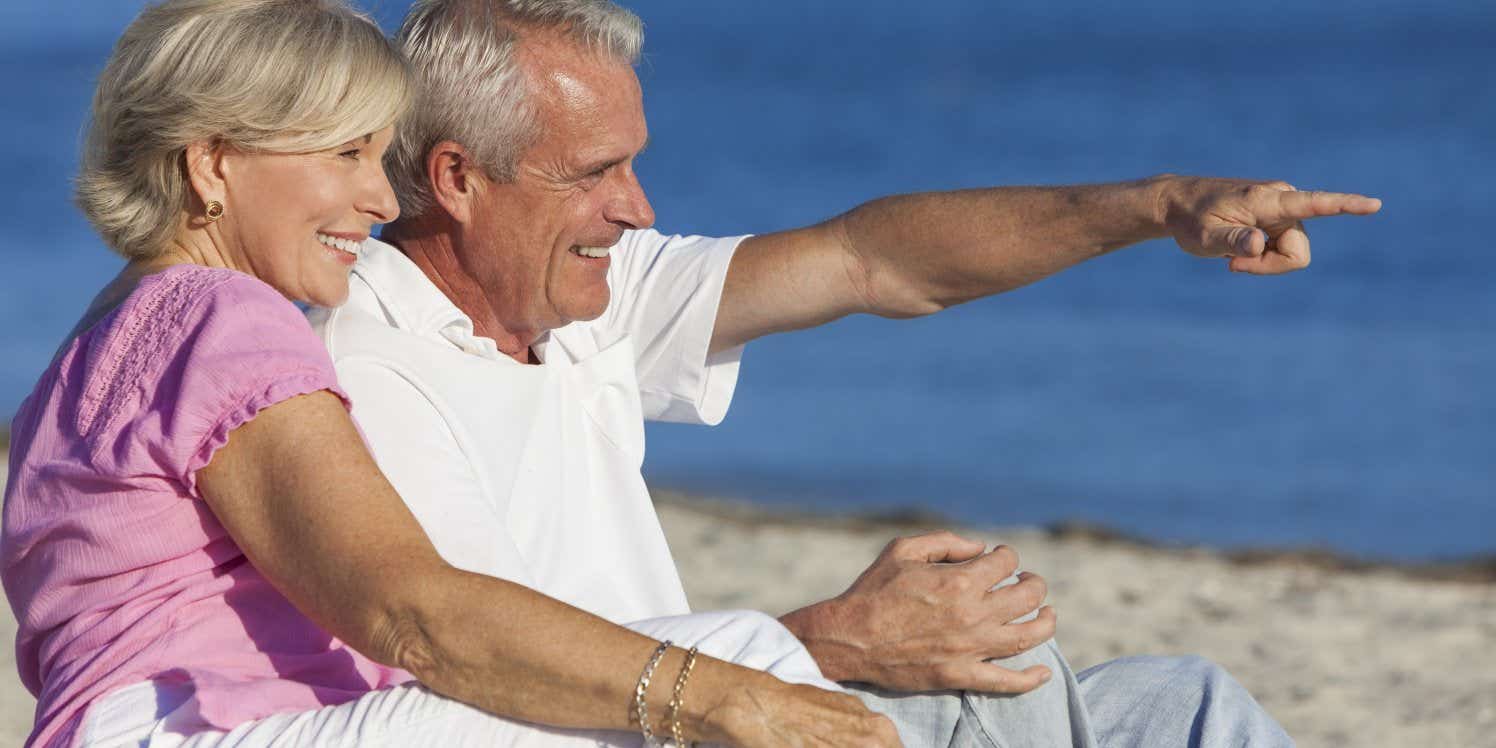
(532, 472)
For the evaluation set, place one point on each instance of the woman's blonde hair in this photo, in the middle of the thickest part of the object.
(279, 76)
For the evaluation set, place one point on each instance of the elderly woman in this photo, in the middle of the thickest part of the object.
(197, 545)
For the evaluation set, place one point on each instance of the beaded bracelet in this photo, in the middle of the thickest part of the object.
(641, 710)
(673, 710)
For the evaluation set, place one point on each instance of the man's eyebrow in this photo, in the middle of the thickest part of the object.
(603, 165)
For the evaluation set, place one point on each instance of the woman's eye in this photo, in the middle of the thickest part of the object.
(350, 153)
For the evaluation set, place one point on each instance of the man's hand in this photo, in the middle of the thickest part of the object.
(926, 617)
(1258, 225)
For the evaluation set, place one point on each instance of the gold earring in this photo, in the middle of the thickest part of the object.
(215, 210)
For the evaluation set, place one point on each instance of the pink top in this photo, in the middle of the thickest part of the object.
(116, 569)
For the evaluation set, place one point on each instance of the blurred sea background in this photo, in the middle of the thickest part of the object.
(1350, 407)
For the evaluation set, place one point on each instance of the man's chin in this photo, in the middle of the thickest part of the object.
(590, 309)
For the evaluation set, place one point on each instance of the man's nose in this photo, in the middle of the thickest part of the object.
(630, 206)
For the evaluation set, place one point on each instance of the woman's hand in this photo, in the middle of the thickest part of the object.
(770, 712)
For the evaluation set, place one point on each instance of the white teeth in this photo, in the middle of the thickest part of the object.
(347, 245)
(591, 251)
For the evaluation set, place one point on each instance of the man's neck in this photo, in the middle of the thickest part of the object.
(432, 248)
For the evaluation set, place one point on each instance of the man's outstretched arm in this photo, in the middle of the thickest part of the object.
(913, 621)
(912, 255)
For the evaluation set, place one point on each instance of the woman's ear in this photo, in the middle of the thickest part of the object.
(204, 162)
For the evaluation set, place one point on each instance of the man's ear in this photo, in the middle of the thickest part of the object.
(455, 178)
(205, 174)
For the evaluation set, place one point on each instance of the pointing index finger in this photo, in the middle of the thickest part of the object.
(1296, 205)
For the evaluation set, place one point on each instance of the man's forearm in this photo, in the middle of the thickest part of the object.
(924, 252)
(813, 625)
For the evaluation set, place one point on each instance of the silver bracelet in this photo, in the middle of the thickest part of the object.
(641, 710)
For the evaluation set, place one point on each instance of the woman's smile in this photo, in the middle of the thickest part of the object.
(345, 248)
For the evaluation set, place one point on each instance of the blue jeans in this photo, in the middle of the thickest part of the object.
(1133, 702)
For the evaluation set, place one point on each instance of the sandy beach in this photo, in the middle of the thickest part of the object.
(1341, 655)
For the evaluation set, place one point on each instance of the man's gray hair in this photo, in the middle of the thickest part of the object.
(472, 89)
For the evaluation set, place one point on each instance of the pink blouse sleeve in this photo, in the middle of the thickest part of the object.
(222, 354)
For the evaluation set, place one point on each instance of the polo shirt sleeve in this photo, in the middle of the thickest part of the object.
(417, 450)
(665, 294)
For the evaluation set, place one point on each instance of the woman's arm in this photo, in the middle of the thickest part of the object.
(297, 490)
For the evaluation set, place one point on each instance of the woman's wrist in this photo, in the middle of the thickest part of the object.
(641, 692)
(720, 701)
(678, 700)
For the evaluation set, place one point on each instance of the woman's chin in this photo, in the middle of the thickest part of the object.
(332, 282)
(328, 290)
(333, 296)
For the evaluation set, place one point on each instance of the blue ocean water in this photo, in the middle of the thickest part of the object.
(1352, 406)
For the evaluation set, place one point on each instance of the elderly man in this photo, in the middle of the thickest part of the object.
(506, 344)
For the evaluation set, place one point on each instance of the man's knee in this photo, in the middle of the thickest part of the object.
(1197, 669)
(1175, 671)
(1184, 700)
(1177, 680)
(1210, 680)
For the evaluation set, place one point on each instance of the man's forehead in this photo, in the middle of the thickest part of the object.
(585, 97)
(568, 86)
(572, 93)
(562, 69)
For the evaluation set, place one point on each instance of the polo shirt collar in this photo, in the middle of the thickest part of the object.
(415, 304)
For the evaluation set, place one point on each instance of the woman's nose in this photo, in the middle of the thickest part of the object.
(378, 199)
